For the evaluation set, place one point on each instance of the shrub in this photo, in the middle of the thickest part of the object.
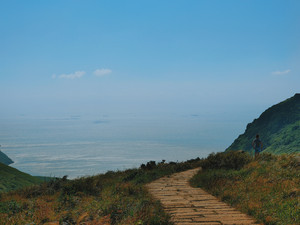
(88, 185)
(149, 166)
(226, 160)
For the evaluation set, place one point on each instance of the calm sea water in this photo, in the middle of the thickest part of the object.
(87, 145)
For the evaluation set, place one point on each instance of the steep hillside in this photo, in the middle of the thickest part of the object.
(5, 159)
(11, 178)
(278, 126)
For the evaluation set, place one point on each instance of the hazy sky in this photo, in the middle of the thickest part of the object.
(64, 56)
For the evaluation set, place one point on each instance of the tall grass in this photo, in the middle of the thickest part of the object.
(267, 188)
(110, 198)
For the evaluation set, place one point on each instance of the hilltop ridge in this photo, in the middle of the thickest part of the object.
(278, 127)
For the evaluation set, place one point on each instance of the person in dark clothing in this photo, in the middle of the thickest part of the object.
(257, 145)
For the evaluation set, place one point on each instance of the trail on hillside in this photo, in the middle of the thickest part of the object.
(190, 206)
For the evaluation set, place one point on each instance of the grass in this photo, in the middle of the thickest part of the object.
(110, 198)
(266, 188)
(12, 179)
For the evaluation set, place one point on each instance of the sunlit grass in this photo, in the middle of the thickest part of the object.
(111, 198)
(267, 189)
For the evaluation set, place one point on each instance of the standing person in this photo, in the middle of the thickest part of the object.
(257, 145)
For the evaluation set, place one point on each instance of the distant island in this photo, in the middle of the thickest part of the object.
(278, 127)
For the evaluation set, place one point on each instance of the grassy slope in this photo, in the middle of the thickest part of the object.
(287, 140)
(111, 198)
(278, 126)
(5, 159)
(267, 189)
(11, 178)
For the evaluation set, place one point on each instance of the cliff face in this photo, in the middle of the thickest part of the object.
(278, 127)
(5, 159)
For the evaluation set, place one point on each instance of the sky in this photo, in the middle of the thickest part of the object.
(225, 58)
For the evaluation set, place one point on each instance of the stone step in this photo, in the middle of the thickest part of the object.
(189, 206)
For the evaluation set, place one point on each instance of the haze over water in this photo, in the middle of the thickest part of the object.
(86, 145)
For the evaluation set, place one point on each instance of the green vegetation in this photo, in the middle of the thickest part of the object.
(111, 198)
(266, 188)
(5, 159)
(278, 126)
(12, 179)
(230, 160)
(46, 179)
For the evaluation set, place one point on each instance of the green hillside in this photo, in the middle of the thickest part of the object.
(278, 127)
(12, 179)
(5, 159)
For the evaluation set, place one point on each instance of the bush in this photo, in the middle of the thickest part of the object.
(87, 185)
(149, 166)
(226, 160)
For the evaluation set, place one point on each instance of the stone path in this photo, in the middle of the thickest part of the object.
(190, 206)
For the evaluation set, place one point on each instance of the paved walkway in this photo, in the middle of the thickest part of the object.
(190, 206)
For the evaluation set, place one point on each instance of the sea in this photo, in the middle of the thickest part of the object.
(84, 145)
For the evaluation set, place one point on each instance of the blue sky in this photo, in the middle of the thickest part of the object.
(91, 57)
